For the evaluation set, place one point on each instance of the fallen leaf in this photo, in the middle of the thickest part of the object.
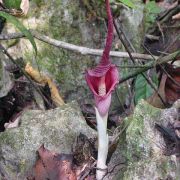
(43, 80)
(172, 85)
(155, 100)
(169, 87)
(24, 6)
(36, 75)
(56, 98)
(53, 166)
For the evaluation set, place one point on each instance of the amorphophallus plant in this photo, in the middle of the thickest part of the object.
(102, 81)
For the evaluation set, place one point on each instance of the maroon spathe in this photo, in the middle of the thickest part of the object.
(111, 79)
(104, 69)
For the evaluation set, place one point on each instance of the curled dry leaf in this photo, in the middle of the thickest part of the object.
(36, 75)
(53, 166)
(24, 6)
(43, 80)
(56, 98)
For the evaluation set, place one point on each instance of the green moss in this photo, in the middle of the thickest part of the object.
(64, 23)
(38, 2)
(135, 131)
(140, 152)
(94, 8)
(6, 138)
(57, 61)
(22, 166)
(12, 4)
(165, 166)
(151, 11)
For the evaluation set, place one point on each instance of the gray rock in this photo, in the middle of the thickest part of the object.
(5, 79)
(141, 146)
(63, 20)
(56, 129)
(133, 25)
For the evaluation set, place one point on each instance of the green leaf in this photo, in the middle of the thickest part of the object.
(20, 27)
(152, 7)
(12, 4)
(142, 89)
(128, 3)
(151, 12)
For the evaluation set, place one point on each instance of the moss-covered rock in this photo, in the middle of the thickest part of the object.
(69, 21)
(56, 129)
(133, 24)
(12, 4)
(62, 20)
(5, 78)
(144, 153)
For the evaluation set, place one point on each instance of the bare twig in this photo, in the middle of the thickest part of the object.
(126, 43)
(162, 68)
(132, 58)
(88, 171)
(151, 65)
(132, 66)
(113, 168)
(80, 49)
(123, 41)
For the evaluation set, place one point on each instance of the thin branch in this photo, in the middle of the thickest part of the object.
(80, 49)
(125, 43)
(133, 59)
(162, 68)
(132, 66)
(151, 65)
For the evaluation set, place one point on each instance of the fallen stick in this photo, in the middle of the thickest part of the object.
(80, 49)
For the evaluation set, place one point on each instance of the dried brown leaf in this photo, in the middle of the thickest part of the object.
(155, 100)
(43, 80)
(172, 87)
(54, 166)
(56, 98)
(169, 87)
(36, 75)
